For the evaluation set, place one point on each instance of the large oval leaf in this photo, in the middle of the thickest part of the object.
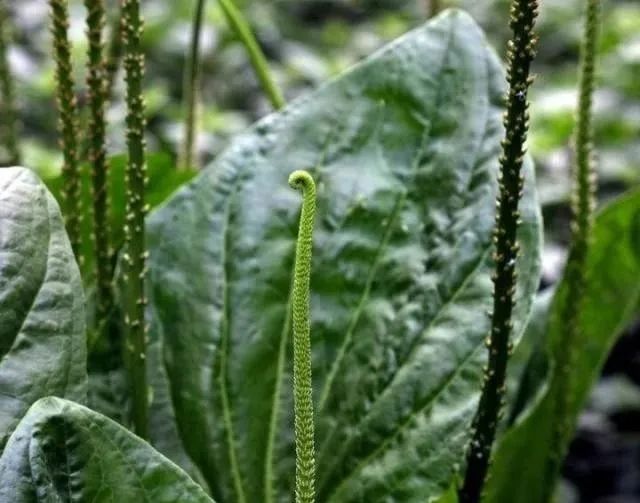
(62, 451)
(612, 301)
(42, 319)
(404, 149)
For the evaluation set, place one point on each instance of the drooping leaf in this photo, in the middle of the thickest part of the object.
(62, 451)
(404, 148)
(42, 319)
(612, 300)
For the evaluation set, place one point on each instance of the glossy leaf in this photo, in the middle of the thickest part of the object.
(612, 300)
(62, 451)
(42, 319)
(404, 148)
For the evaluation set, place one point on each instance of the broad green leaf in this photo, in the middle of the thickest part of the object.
(62, 451)
(404, 149)
(611, 302)
(42, 319)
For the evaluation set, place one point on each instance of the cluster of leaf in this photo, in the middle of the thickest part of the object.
(405, 152)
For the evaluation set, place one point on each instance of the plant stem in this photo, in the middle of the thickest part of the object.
(434, 7)
(98, 155)
(191, 81)
(9, 126)
(135, 247)
(114, 56)
(583, 205)
(257, 58)
(302, 382)
(521, 52)
(68, 121)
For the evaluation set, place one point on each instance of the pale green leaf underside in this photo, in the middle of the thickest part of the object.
(64, 452)
(612, 300)
(404, 149)
(42, 320)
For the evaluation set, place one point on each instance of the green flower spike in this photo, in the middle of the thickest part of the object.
(98, 155)
(302, 386)
(582, 207)
(67, 121)
(135, 242)
(9, 151)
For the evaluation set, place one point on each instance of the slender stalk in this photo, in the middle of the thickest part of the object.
(68, 121)
(135, 247)
(520, 55)
(240, 26)
(435, 6)
(302, 383)
(114, 56)
(9, 126)
(191, 81)
(98, 155)
(583, 205)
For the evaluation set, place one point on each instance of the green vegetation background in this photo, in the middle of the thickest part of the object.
(310, 41)
(307, 43)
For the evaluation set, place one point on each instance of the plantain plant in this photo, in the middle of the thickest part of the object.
(401, 296)
(409, 152)
(9, 151)
(302, 381)
(68, 122)
(582, 211)
(135, 254)
(98, 155)
(516, 122)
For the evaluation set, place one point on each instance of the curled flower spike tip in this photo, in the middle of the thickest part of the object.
(302, 383)
(301, 180)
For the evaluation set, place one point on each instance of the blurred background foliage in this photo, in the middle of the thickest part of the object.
(310, 41)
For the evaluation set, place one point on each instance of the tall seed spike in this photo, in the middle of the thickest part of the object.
(583, 204)
(302, 379)
(132, 27)
(10, 154)
(67, 122)
(519, 57)
(98, 155)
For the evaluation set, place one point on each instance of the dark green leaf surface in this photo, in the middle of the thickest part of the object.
(611, 302)
(42, 319)
(64, 452)
(404, 149)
